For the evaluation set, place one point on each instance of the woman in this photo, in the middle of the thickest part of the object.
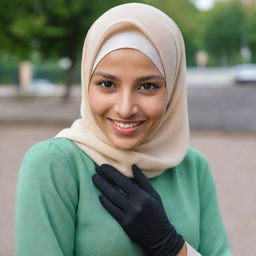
(123, 180)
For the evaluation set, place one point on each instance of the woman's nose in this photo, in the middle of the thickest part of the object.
(126, 105)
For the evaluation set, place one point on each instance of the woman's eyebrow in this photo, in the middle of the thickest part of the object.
(105, 75)
(145, 78)
(140, 79)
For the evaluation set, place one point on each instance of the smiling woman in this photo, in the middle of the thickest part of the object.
(122, 180)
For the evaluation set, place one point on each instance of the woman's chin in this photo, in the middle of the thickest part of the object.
(125, 144)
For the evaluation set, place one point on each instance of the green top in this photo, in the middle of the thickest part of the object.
(58, 212)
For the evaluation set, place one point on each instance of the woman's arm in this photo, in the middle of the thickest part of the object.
(46, 203)
(213, 238)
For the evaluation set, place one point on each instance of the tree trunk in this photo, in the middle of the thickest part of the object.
(69, 82)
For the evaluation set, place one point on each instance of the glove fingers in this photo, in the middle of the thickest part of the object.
(116, 177)
(143, 181)
(109, 191)
(111, 208)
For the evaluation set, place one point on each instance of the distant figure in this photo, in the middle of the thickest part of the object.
(25, 74)
(122, 180)
(201, 58)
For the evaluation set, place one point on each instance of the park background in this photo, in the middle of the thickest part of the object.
(40, 53)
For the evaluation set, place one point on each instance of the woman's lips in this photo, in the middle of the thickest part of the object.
(126, 127)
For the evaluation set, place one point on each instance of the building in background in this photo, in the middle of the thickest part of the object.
(249, 2)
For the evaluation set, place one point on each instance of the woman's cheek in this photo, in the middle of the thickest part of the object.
(99, 102)
(155, 108)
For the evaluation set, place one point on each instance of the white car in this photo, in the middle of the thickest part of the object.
(42, 87)
(245, 73)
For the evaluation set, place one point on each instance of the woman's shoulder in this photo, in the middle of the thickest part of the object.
(195, 161)
(55, 155)
(52, 145)
(194, 154)
(195, 169)
(55, 147)
(46, 153)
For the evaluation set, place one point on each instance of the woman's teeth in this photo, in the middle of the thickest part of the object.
(122, 125)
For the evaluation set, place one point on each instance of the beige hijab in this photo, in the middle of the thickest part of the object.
(167, 145)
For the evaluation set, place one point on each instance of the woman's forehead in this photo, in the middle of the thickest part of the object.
(127, 60)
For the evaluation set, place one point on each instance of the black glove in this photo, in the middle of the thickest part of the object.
(138, 208)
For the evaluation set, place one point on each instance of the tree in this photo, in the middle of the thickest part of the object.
(53, 28)
(16, 41)
(251, 28)
(65, 26)
(187, 17)
(67, 23)
(223, 31)
(10, 44)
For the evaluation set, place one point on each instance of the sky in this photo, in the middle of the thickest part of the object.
(204, 4)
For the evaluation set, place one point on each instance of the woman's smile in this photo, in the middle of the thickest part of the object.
(127, 97)
(127, 127)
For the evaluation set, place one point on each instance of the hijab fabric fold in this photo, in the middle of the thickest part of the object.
(167, 144)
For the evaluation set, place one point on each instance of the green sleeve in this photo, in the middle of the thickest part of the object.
(213, 239)
(46, 203)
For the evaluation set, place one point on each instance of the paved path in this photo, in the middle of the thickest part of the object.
(223, 109)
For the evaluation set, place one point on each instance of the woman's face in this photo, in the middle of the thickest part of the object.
(127, 96)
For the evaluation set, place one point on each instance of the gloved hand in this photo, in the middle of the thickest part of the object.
(138, 208)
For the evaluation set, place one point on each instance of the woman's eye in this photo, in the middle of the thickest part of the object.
(106, 84)
(149, 86)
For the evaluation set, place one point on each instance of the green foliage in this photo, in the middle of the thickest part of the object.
(39, 29)
(66, 24)
(223, 31)
(54, 73)
(187, 17)
(10, 45)
(9, 74)
(54, 28)
(252, 31)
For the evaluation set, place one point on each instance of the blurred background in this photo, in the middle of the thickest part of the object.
(40, 54)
